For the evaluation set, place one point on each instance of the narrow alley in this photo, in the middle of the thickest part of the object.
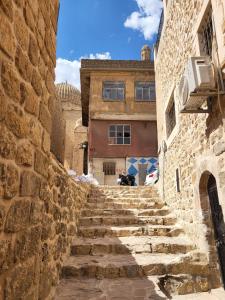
(112, 150)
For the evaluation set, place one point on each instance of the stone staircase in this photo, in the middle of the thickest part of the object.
(129, 246)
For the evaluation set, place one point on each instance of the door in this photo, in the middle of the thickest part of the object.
(85, 161)
(142, 168)
(218, 223)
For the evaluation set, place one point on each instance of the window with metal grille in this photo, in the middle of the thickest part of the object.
(206, 34)
(119, 135)
(113, 90)
(109, 168)
(145, 91)
(170, 117)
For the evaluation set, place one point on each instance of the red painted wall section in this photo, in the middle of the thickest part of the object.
(143, 140)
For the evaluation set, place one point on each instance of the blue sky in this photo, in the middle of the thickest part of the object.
(103, 29)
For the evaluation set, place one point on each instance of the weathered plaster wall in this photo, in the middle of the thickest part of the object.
(39, 204)
(99, 107)
(197, 142)
(97, 169)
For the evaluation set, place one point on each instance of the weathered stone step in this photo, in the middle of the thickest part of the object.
(120, 231)
(126, 220)
(135, 289)
(125, 212)
(108, 289)
(126, 245)
(124, 200)
(122, 188)
(136, 265)
(124, 195)
(121, 205)
(137, 193)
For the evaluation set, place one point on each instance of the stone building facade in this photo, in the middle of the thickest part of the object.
(118, 100)
(39, 203)
(58, 133)
(191, 145)
(75, 133)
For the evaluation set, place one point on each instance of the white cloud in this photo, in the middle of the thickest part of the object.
(146, 20)
(69, 71)
(105, 55)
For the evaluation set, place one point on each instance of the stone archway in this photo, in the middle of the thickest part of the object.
(209, 209)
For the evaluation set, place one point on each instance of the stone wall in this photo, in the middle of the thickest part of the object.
(76, 134)
(196, 146)
(58, 135)
(39, 204)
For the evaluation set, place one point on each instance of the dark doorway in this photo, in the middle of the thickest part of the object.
(218, 223)
(85, 159)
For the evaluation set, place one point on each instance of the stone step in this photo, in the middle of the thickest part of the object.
(126, 220)
(108, 289)
(134, 289)
(125, 212)
(126, 245)
(138, 193)
(124, 195)
(122, 188)
(123, 200)
(136, 265)
(121, 205)
(122, 231)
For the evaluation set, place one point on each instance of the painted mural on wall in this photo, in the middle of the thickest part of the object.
(140, 167)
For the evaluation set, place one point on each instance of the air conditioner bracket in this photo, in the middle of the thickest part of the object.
(200, 110)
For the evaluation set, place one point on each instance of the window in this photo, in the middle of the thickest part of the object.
(113, 90)
(119, 135)
(170, 117)
(206, 34)
(109, 168)
(178, 180)
(145, 91)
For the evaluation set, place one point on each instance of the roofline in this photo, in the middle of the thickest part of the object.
(122, 65)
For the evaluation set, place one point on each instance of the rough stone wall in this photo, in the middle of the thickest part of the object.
(39, 204)
(197, 142)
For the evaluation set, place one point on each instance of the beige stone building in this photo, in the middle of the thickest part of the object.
(118, 100)
(75, 133)
(190, 73)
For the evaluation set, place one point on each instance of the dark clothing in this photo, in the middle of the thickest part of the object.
(127, 180)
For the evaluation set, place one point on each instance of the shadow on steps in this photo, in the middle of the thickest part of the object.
(129, 247)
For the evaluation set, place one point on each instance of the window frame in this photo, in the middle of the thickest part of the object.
(171, 104)
(109, 168)
(117, 99)
(116, 137)
(151, 84)
(206, 23)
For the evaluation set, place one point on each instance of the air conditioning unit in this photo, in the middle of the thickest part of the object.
(196, 83)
